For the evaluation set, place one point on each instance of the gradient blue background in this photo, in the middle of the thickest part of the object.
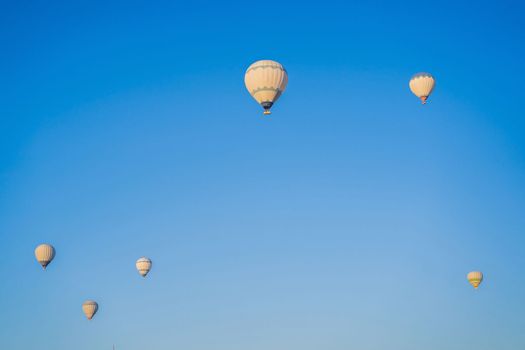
(346, 220)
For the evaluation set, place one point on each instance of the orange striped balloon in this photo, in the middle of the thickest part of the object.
(422, 85)
(475, 278)
(90, 308)
(44, 254)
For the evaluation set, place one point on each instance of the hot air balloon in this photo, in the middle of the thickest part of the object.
(422, 85)
(90, 308)
(266, 81)
(44, 254)
(475, 278)
(143, 266)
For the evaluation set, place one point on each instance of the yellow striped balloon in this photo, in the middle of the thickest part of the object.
(421, 85)
(266, 80)
(475, 278)
(44, 254)
(143, 266)
(90, 308)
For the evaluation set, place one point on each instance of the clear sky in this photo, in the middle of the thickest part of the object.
(346, 220)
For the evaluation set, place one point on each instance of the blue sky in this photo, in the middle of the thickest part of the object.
(346, 220)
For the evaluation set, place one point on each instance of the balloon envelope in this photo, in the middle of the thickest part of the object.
(143, 266)
(421, 85)
(90, 308)
(266, 80)
(44, 254)
(475, 278)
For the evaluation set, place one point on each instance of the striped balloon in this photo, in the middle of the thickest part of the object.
(266, 80)
(422, 85)
(90, 308)
(143, 266)
(44, 254)
(475, 278)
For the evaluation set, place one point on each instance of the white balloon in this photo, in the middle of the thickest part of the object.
(266, 80)
(143, 266)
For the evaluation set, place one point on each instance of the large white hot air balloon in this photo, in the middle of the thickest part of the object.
(475, 278)
(90, 308)
(421, 85)
(44, 254)
(266, 80)
(143, 266)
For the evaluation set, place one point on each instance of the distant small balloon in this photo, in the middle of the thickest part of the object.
(421, 85)
(475, 278)
(90, 308)
(44, 254)
(143, 266)
(266, 80)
